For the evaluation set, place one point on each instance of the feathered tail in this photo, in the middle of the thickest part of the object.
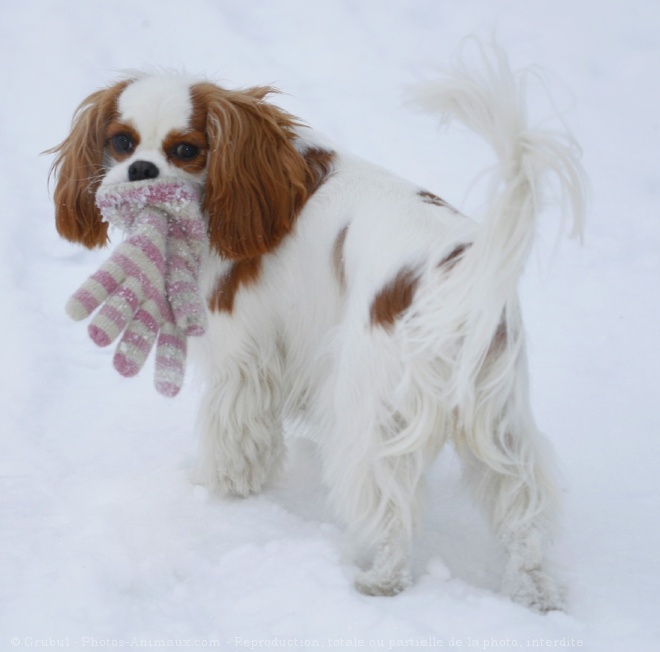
(490, 100)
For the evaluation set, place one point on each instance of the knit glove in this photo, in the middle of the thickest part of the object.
(149, 285)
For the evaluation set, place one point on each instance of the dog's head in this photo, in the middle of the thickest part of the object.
(237, 146)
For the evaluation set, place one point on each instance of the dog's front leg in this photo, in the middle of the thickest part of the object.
(389, 571)
(239, 418)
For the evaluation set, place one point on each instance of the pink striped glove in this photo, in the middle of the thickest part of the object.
(149, 285)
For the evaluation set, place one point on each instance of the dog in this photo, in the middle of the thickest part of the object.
(342, 294)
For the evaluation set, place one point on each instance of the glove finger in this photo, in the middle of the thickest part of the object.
(137, 341)
(95, 290)
(187, 307)
(170, 360)
(182, 283)
(116, 312)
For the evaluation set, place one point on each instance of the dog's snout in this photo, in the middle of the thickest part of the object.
(142, 170)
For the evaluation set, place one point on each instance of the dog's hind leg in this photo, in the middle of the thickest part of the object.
(510, 469)
(376, 457)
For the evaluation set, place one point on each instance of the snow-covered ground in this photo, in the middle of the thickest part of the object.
(106, 543)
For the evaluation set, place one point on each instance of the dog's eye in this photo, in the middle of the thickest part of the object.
(185, 151)
(122, 143)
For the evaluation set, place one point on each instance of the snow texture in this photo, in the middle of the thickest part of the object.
(105, 540)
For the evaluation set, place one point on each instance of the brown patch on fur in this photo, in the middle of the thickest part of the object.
(338, 257)
(498, 343)
(499, 340)
(454, 256)
(257, 180)
(430, 198)
(79, 168)
(243, 272)
(320, 162)
(395, 297)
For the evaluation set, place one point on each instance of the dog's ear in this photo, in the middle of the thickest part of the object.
(79, 169)
(257, 181)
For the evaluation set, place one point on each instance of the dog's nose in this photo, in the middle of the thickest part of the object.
(142, 170)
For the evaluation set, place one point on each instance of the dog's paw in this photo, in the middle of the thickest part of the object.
(535, 589)
(240, 475)
(375, 583)
(239, 485)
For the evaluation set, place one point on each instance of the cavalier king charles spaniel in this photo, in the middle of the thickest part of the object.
(339, 293)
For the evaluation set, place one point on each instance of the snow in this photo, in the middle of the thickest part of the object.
(106, 542)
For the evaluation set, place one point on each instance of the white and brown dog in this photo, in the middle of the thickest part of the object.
(338, 291)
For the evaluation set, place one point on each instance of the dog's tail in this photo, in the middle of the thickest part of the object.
(481, 283)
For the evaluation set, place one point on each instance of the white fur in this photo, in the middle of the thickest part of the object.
(383, 403)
